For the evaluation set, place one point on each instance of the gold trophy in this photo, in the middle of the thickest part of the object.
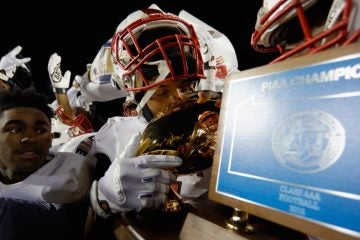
(187, 130)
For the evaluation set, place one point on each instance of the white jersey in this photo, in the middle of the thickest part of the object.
(96, 84)
(66, 178)
(80, 144)
(114, 136)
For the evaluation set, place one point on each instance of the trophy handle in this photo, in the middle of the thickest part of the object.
(239, 221)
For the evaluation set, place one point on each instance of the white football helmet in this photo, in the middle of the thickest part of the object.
(299, 27)
(217, 51)
(151, 47)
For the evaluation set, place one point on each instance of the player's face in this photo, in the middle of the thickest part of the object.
(170, 93)
(25, 139)
(4, 86)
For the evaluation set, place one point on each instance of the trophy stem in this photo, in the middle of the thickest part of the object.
(239, 221)
(174, 201)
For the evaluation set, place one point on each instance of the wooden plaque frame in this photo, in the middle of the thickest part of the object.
(239, 186)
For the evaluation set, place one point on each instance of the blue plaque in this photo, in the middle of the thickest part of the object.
(290, 142)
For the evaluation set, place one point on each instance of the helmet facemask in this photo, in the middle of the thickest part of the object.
(77, 126)
(301, 27)
(150, 51)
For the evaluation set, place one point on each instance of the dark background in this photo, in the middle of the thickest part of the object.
(77, 30)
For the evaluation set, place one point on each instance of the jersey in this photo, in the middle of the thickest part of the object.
(23, 219)
(96, 84)
(66, 178)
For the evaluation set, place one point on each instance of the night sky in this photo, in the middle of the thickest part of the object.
(77, 33)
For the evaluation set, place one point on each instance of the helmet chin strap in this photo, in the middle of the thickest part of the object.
(164, 71)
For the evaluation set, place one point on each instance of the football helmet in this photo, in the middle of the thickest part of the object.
(151, 47)
(300, 27)
(217, 51)
(78, 125)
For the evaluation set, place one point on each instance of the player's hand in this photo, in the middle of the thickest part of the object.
(82, 81)
(10, 62)
(134, 183)
(59, 82)
(77, 81)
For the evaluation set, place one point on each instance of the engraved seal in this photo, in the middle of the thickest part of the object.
(308, 141)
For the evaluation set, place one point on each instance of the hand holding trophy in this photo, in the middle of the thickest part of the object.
(187, 130)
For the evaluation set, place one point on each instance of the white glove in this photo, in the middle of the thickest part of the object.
(82, 80)
(10, 62)
(77, 81)
(133, 183)
(59, 82)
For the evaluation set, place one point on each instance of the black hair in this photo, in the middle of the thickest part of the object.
(26, 98)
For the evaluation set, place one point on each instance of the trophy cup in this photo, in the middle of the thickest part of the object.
(187, 130)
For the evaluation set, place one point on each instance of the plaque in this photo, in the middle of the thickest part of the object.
(288, 146)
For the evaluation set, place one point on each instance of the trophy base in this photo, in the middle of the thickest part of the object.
(239, 221)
